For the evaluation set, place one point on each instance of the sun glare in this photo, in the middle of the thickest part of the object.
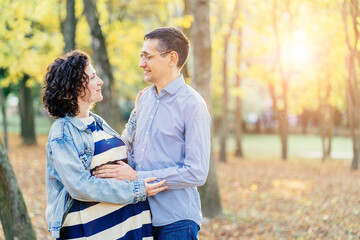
(298, 53)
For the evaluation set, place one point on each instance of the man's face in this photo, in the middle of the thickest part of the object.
(156, 66)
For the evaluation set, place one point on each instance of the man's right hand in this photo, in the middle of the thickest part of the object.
(154, 188)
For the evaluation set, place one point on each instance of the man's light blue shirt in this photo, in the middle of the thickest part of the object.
(172, 142)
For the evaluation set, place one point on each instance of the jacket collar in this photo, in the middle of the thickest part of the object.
(82, 126)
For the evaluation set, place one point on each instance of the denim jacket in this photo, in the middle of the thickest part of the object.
(70, 149)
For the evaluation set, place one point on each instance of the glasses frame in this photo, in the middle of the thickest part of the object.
(147, 57)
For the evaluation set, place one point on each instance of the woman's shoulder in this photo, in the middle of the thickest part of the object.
(60, 128)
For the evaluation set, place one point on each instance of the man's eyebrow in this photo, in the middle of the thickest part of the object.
(145, 52)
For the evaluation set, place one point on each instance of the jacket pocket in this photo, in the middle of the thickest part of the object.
(85, 160)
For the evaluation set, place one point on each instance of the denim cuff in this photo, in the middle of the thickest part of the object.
(132, 118)
(139, 190)
(55, 232)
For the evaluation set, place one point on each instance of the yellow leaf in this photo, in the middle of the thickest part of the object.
(253, 187)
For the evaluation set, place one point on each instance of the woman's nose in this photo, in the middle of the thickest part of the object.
(100, 82)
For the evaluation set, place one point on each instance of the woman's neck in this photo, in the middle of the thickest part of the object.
(84, 110)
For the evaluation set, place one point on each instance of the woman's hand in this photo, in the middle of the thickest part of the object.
(138, 97)
(154, 188)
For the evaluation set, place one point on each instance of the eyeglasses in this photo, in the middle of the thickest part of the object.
(147, 57)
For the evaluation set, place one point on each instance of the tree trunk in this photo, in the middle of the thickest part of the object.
(13, 213)
(351, 107)
(330, 131)
(225, 98)
(353, 98)
(108, 107)
(238, 108)
(322, 123)
(281, 117)
(27, 113)
(304, 121)
(68, 27)
(321, 116)
(281, 114)
(187, 32)
(356, 145)
(349, 111)
(354, 101)
(201, 41)
(224, 115)
(284, 134)
(326, 120)
(3, 110)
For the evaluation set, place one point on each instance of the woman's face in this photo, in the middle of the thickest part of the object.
(93, 90)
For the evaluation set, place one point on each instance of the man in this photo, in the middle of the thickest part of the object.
(172, 138)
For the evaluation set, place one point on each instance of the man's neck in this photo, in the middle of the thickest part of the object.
(166, 81)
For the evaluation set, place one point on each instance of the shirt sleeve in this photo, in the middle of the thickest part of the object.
(82, 186)
(195, 169)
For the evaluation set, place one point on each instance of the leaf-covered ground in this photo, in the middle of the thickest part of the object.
(262, 199)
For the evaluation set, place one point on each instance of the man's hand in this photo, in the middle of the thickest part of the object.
(119, 171)
(154, 188)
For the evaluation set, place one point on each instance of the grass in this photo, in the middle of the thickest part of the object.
(42, 124)
(254, 145)
(300, 146)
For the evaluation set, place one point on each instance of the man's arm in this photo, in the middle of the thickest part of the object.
(196, 163)
(197, 153)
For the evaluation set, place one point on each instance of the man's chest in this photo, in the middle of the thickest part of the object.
(161, 118)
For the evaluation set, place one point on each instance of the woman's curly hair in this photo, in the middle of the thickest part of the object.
(64, 81)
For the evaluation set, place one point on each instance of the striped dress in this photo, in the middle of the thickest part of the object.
(93, 220)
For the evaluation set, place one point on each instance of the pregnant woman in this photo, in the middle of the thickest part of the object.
(80, 206)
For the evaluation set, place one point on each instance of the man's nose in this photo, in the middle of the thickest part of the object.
(142, 63)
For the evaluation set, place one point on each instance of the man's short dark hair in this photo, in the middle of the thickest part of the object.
(171, 39)
(65, 80)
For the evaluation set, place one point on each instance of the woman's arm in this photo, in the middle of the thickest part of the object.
(130, 128)
(81, 185)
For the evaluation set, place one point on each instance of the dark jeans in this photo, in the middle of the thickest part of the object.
(181, 230)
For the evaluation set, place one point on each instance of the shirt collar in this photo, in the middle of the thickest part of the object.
(174, 86)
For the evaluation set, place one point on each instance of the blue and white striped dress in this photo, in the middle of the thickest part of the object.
(93, 220)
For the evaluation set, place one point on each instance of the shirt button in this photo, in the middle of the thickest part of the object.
(143, 149)
(151, 116)
(157, 101)
(139, 165)
(147, 132)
